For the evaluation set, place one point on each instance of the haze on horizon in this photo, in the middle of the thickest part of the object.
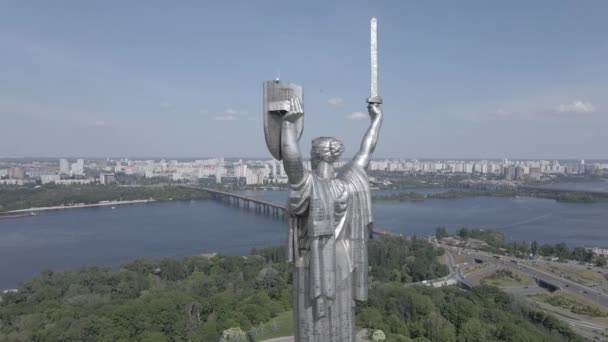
(475, 79)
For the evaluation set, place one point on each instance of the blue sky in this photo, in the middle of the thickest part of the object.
(466, 79)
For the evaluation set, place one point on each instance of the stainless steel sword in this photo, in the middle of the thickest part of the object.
(373, 47)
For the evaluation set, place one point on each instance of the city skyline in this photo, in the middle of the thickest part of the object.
(470, 80)
(270, 171)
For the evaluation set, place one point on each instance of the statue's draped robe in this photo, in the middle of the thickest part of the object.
(329, 224)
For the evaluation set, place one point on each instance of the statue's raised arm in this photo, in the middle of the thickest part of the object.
(290, 147)
(370, 139)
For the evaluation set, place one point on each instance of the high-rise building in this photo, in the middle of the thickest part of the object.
(16, 173)
(46, 179)
(78, 167)
(64, 166)
(509, 172)
(106, 178)
(240, 170)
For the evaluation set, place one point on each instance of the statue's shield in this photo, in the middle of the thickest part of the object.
(276, 103)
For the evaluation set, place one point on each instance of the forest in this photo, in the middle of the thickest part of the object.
(233, 298)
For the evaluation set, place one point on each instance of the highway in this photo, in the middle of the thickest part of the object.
(592, 294)
(585, 327)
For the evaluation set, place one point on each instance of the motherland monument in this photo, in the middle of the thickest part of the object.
(329, 213)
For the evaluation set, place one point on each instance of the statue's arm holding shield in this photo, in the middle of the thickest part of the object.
(283, 125)
(290, 147)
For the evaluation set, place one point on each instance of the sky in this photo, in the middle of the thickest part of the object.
(465, 79)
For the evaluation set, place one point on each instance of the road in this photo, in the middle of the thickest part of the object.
(584, 327)
(566, 284)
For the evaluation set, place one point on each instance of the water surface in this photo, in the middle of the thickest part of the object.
(102, 236)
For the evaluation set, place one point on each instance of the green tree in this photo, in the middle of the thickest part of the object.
(441, 232)
(474, 331)
(378, 336)
(534, 247)
(562, 251)
(154, 336)
(438, 328)
(234, 335)
(547, 250)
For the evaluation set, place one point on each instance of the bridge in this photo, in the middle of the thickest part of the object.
(237, 200)
(267, 207)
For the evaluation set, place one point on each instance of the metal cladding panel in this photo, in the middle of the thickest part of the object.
(276, 100)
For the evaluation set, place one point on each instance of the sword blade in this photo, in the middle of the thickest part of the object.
(374, 57)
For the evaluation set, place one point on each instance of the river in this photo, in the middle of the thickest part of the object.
(104, 236)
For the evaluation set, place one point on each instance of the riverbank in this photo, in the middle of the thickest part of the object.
(74, 206)
(49, 197)
(554, 194)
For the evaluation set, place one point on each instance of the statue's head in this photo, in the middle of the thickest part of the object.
(325, 149)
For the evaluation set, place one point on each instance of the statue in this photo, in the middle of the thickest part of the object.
(329, 214)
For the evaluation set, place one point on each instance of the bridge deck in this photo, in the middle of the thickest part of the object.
(375, 230)
(241, 197)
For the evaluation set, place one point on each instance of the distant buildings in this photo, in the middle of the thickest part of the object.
(64, 167)
(106, 178)
(599, 251)
(46, 179)
(271, 171)
(78, 168)
(16, 173)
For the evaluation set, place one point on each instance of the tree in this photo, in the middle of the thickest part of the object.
(464, 233)
(562, 251)
(534, 247)
(154, 336)
(441, 233)
(547, 250)
(582, 254)
(378, 336)
(234, 335)
(438, 328)
(474, 331)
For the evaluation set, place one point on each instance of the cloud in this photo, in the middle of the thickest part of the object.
(501, 113)
(231, 111)
(577, 106)
(358, 116)
(99, 123)
(165, 104)
(230, 114)
(225, 118)
(335, 101)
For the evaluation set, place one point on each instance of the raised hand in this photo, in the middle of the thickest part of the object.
(295, 110)
(375, 110)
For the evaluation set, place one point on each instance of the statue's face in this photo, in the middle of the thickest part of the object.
(325, 149)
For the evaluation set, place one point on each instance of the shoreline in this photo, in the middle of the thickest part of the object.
(75, 206)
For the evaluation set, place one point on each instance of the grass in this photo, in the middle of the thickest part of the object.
(574, 304)
(280, 326)
(443, 259)
(578, 275)
(507, 278)
(476, 267)
(459, 259)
